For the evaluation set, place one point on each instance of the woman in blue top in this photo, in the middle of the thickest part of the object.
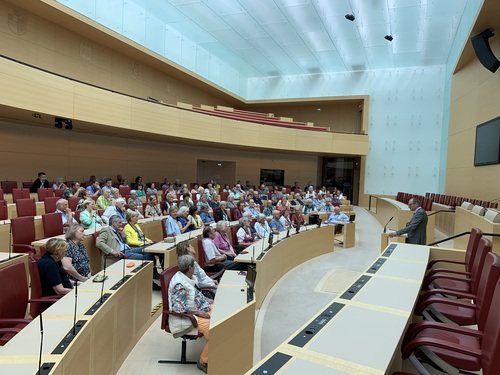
(182, 220)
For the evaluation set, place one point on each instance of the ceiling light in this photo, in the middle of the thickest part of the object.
(350, 17)
(389, 38)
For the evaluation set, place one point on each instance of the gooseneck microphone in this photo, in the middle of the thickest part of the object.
(104, 278)
(76, 305)
(385, 226)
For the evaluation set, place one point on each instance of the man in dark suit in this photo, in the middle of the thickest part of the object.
(417, 227)
(40, 182)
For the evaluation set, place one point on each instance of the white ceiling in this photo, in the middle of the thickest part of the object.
(262, 38)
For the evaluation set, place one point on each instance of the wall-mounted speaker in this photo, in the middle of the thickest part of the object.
(483, 51)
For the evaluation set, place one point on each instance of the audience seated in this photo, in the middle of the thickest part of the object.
(40, 182)
(275, 223)
(152, 189)
(206, 216)
(285, 219)
(230, 202)
(104, 201)
(59, 184)
(94, 189)
(185, 297)
(221, 213)
(194, 218)
(296, 217)
(66, 214)
(132, 207)
(186, 201)
(171, 226)
(152, 208)
(89, 217)
(73, 191)
(108, 184)
(251, 209)
(309, 208)
(244, 234)
(222, 241)
(53, 278)
(213, 254)
(202, 279)
(83, 195)
(182, 220)
(135, 198)
(136, 241)
(76, 263)
(118, 209)
(262, 228)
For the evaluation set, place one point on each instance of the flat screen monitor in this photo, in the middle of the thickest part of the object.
(487, 149)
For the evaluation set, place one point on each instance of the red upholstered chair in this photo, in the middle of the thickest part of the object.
(50, 204)
(215, 209)
(26, 207)
(27, 184)
(475, 236)
(124, 191)
(1, 195)
(37, 299)
(73, 202)
(58, 193)
(466, 282)
(224, 195)
(13, 301)
(165, 278)
(23, 234)
(207, 265)
(469, 309)
(4, 213)
(52, 224)
(454, 348)
(76, 215)
(20, 194)
(44, 193)
(8, 186)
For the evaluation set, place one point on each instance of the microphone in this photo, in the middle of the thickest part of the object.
(263, 244)
(41, 344)
(104, 278)
(76, 304)
(385, 226)
(10, 240)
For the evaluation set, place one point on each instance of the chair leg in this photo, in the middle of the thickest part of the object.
(183, 360)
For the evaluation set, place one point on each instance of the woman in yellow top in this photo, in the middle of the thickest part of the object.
(135, 236)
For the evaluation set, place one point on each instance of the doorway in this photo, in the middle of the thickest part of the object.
(224, 172)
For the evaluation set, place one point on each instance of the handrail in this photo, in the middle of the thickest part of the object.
(436, 212)
(460, 235)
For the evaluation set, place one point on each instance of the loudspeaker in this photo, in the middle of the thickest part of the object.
(483, 51)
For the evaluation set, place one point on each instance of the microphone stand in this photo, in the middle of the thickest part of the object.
(41, 344)
(104, 279)
(76, 304)
(385, 226)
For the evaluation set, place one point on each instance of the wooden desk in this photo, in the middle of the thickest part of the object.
(361, 334)
(465, 220)
(285, 255)
(105, 340)
(231, 326)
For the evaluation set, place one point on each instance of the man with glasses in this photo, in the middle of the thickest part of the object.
(417, 227)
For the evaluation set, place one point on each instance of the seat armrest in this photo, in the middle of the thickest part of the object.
(446, 301)
(435, 261)
(436, 343)
(14, 321)
(445, 270)
(167, 312)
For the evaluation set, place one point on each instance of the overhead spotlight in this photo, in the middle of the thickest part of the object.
(58, 122)
(350, 17)
(69, 124)
(389, 38)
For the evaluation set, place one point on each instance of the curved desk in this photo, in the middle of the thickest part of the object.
(287, 253)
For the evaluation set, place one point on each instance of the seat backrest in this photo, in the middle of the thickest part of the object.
(489, 277)
(50, 204)
(13, 291)
(44, 193)
(470, 253)
(4, 213)
(490, 346)
(27, 184)
(8, 186)
(20, 194)
(1, 194)
(201, 252)
(234, 238)
(224, 195)
(58, 193)
(124, 191)
(165, 278)
(52, 224)
(23, 232)
(483, 249)
(231, 213)
(36, 285)
(214, 211)
(26, 207)
(73, 202)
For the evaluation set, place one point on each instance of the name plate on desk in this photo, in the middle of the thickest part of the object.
(390, 249)
(376, 266)
(273, 364)
(355, 288)
(316, 325)
(61, 347)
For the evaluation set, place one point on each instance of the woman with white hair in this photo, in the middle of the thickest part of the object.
(222, 240)
(309, 208)
(244, 235)
(182, 219)
(262, 227)
(89, 217)
(59, 184)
